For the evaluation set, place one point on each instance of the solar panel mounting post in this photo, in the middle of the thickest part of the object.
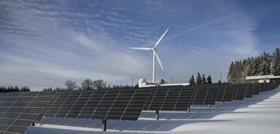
(157, 114)
(104, 125)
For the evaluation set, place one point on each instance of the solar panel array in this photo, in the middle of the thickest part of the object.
(19, 110)
(173, 98)
(100, 104)
(205, 95)
(229, 92)
(208, 94)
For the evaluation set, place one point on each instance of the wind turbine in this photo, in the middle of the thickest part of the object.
(155, 55)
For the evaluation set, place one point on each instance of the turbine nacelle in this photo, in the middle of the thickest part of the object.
(154, 53)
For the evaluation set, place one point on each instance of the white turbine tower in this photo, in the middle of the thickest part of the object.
(155, 55)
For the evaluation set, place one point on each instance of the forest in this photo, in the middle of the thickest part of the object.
(264, 64)
(14, 89)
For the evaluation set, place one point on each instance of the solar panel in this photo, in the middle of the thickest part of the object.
(100, 104)
(221, 92)
(79, 104)
(56, 104)
(104, 105)
(199, 95)
(256, 88)
(173, 98)
(229, 93)
(207, 94)
(93, 100)
(135, 104)
(19, 110)
(67, 104)
(156, 99)
(120, 104)
(240, 92)
(184, 99)
(211, 95)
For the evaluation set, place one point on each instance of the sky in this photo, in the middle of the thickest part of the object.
(43, 43)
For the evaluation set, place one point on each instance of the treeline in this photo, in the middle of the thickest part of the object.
(265, 64)
(13, 89)
(88, 84)
(200, 79)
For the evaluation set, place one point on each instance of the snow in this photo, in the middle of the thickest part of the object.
(258, 115)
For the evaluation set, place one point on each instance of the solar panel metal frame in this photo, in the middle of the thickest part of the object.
(26, 107)
(101, 104)
(170, 98)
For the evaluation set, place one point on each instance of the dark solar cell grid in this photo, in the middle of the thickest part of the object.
(169, 98)
(19, 110)
(100, 104)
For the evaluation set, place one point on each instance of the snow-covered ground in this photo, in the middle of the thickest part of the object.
(258, 115)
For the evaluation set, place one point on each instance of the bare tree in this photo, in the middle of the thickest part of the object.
(88, 84)
(99, 84)
(70, 85)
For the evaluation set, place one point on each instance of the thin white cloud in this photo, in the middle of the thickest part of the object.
(108, 53)
(86, 42)
(47, 44)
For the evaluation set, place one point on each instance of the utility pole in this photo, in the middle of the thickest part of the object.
(132, 80)
(221, 77)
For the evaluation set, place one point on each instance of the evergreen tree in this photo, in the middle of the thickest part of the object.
(264, 67)
(230, 72)
(162, 81)
(14, 89)
(251, 67)
(258, 66)
(192, 81)
(198, 79)
(209, 79)
(275, 67)
(235, 73)
(264, 64)
(203, 79)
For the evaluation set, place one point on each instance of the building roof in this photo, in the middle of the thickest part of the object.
(262, 77)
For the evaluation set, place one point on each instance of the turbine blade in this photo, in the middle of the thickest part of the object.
(158, 59)
(140, 48)
(161, 37)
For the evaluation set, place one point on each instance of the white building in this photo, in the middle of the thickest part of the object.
(263, 79)
(143, 83)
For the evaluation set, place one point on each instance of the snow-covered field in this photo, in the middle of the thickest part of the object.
(258, 115)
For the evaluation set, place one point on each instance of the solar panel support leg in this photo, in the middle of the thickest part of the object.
(189, 109)
(157, 114)
(104, 125)
(33, 123)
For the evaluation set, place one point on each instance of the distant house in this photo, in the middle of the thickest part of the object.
(263, 79)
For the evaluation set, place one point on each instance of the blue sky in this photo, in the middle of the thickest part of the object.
(45, 42)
